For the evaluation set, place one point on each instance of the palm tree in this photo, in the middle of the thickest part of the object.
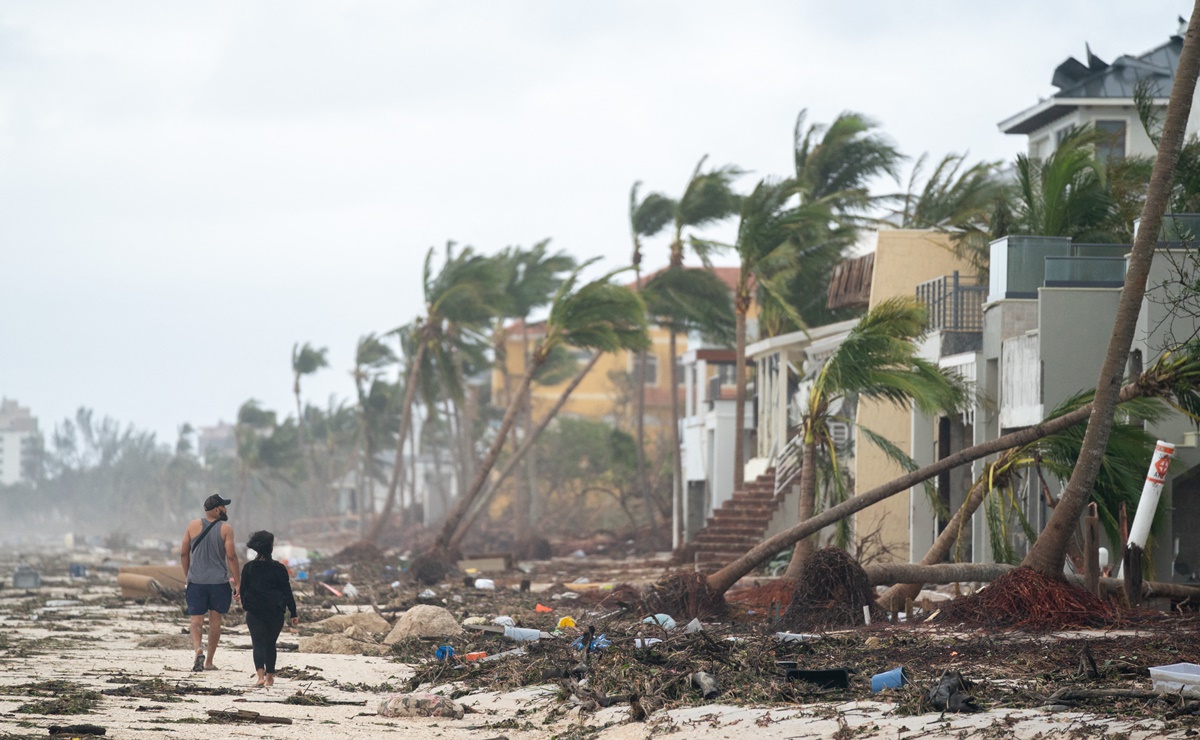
(1049, 552)
(1067, 193)
(534, 275)
(707, 199)
(465, 293)
(647, 217)
(878, 360)
(1117, 484)
(970, 203)
(834, 165)
(306, 360)
(1175, 377)
(372, 357)
(599, 316)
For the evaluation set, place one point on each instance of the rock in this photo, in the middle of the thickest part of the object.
(420, 705)
(369, 621)
(169, 642)
(339, 645)
(424, 620)
(354, 632)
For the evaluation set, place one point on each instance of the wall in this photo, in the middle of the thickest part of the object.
(903, 259)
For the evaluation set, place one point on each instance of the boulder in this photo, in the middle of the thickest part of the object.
(339, 645)
(424, 620)
(369, 621)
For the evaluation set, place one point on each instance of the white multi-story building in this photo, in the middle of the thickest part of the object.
(18, 443)
(1101, 95)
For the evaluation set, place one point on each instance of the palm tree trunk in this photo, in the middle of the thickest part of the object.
(515, 459)
(410, 394)
(528, 501)
(808, 504)
(739, 415)
(678, 528)
(895, 596)
(440, 545)
(643, 480)
(724, 578)
(1048, 553)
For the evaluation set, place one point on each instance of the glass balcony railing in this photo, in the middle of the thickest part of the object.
(1079, 272)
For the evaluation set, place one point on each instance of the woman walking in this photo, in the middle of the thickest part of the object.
(266, 592)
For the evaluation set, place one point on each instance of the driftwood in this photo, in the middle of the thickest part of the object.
(245, 715)
(889, 573)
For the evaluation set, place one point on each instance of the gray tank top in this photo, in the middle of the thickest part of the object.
(208, 563)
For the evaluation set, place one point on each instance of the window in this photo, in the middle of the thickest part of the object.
(1037, 149)
(1113, 145)
(651, 377)
(727, 374)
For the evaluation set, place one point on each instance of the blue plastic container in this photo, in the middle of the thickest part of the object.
(892, 679)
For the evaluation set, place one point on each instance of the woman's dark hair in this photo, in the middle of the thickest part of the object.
(262, 542)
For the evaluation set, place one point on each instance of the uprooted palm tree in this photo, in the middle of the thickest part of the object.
(463, 293)
(1175, 377)
(878, 360)
(1117, 484)
(598, 315)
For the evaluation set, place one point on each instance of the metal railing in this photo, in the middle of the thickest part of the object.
(954, 303)
(787, 466)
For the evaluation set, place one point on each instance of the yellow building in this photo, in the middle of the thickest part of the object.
(904, 259)
(606, 392)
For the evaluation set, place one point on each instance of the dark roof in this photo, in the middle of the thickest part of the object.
(1100, 80)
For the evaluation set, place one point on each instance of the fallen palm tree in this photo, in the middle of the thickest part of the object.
(1128, 448)
(1175, 377)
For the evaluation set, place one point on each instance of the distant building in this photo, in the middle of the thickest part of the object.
(1101, 95)
(19, 443)
(217, 441)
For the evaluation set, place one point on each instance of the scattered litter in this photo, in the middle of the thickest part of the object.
(54, 603)
(506, 654)
(645, 642)
(796, 637)
(599, 642)
(486, 584)
(892, 679)
(826, 678)
(77, 570)
(581, 580)
(502, 621)
(428, 593)
(950, 694)
(480, 655)
(331, 589)
(663, 620)
(26, 577)
(1177, 678)
(706, 683)
(444, 652)
(579, 554)
(566, 622)
(542, 609)
(694, 626)
(522, 634)
(420, 705)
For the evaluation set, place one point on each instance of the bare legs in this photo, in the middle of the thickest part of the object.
(196, 626)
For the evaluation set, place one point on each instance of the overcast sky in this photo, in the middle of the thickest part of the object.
(187, 189)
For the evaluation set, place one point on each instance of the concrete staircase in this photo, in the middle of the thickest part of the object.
(738, 525)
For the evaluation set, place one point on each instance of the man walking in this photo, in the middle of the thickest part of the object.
(209, 560)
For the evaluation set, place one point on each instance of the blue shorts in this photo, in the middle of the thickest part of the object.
(208, 597)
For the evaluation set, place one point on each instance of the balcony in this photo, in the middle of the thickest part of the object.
(954, 303)
(1020, 265)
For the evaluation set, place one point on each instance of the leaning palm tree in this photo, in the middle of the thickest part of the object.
(1067, 193)
(1174, 377)
(1117, 485)
(533, 276)
(878, 360)
(647, 217)
(464, 292)
(707, 199)
(599, 316)
(372, 357)
(1049, 552)
(834, 167)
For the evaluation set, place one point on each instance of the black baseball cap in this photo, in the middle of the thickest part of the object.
(214, 501)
